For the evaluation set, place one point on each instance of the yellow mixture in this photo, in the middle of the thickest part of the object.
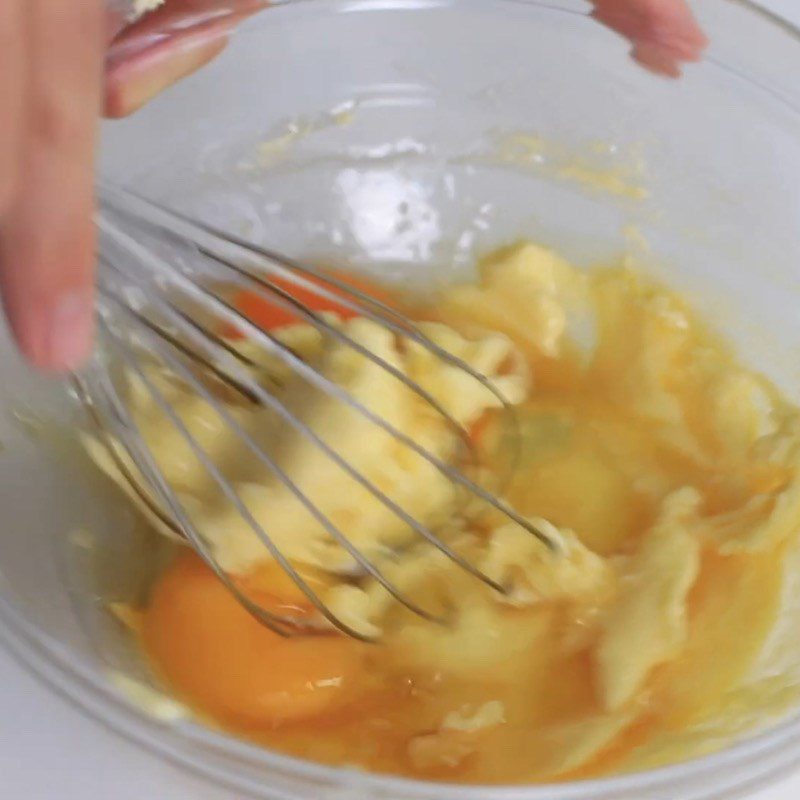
(666, 472)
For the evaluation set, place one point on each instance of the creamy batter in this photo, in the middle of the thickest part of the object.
(665, 470)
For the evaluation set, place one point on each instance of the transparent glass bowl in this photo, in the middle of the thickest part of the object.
(407, 138)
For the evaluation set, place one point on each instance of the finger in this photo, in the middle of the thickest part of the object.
(115, 20)
(168, 45)
(47, 242)
(133, 83)
(658, 59)
(664, 33)
(12, 81)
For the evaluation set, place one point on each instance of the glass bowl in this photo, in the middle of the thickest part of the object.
(407, 138)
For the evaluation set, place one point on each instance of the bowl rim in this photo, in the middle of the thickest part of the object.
(77, 679)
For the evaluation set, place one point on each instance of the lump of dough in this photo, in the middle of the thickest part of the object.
(648, 622)
(411, 482)
(574, 744)
(644, 337)
(440, 750)
(532, 573)
(489, 715)
(480, 635)
(742, 411)
(456, 739)
(527, 292)
(770, 516)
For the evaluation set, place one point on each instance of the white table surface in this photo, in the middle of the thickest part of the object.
(50, 750)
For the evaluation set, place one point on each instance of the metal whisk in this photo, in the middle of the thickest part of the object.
(161, 301)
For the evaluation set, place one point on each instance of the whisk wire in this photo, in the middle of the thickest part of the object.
(284, 299)
(272, 402)
(100, 429)
(233, 316)
(334, 531)
(206, 237)
(130, 437)
(166, 219)
(234, 499)
(141, 283)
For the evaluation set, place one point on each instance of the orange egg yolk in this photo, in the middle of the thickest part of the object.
(269, 315)
(225, 662)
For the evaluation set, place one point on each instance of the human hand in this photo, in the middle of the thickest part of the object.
(51, 93)
(664, 33)
(51, 96)
(51, 57)
(184, 35)
(166, 45)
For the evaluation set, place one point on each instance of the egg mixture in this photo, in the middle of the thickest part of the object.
(664, 470)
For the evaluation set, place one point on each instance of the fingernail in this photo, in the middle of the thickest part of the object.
(71, 327)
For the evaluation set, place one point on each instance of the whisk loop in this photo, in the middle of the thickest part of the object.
(161, 302)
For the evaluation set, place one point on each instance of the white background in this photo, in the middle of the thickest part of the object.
(49, 750)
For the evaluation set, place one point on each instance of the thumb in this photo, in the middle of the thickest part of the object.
(167, 45)
(664, 33)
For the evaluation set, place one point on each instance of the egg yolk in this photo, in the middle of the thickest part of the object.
(231, 666)
(269, 315)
